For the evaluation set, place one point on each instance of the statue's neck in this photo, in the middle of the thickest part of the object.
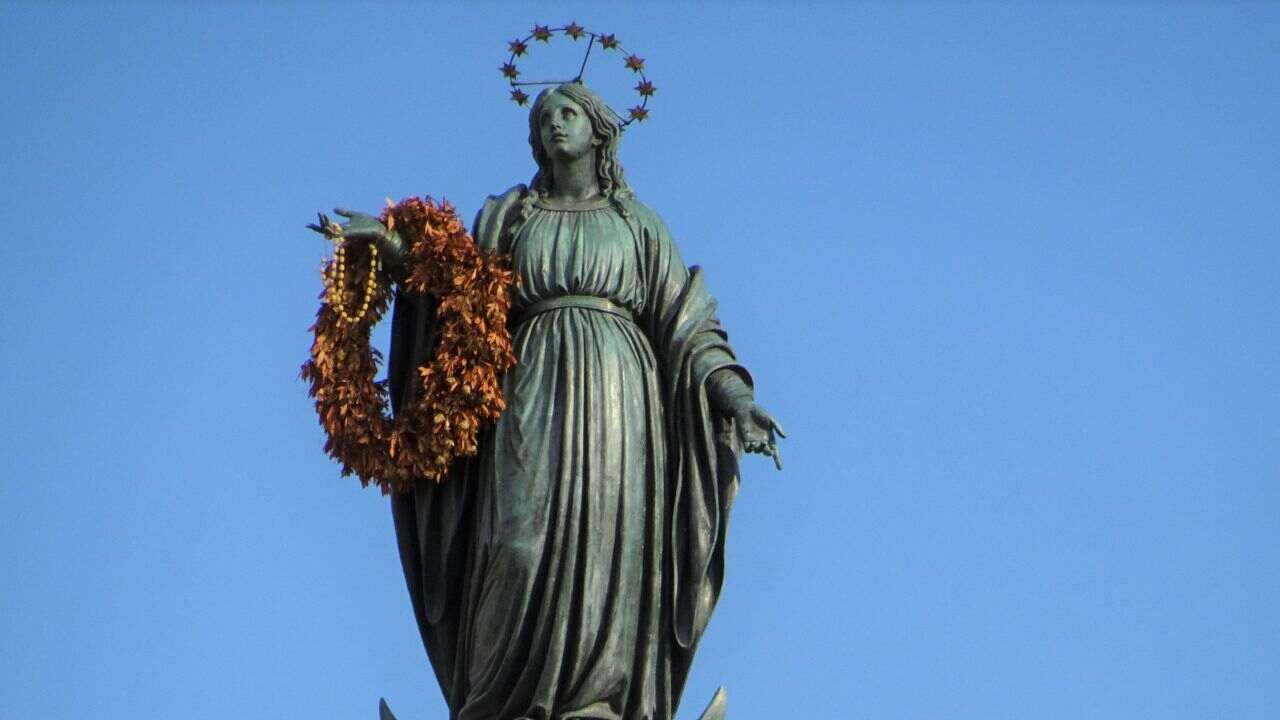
(575, 179)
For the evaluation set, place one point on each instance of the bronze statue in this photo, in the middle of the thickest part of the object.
(569, 569)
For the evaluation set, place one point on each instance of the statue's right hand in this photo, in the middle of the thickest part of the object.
(361, 227)
(366, 229)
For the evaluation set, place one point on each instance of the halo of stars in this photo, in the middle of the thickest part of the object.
(607, 41)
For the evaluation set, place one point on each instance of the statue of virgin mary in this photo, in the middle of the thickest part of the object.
(569, 568)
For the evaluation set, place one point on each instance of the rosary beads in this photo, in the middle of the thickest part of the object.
(336, 280)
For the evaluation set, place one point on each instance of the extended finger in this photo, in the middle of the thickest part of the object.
(321, 225)
(774, 424)
(777, 456)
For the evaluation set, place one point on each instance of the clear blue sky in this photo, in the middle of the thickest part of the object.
(1009, 274)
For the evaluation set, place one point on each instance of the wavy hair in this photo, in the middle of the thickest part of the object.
(604, 127)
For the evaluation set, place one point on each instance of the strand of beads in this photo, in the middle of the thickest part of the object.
(337, 281)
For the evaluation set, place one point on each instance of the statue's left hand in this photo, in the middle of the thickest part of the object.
(756, 429)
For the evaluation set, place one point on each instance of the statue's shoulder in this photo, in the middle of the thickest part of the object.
(495, 213)
(501, 201)
(508, 196)
(643, 214)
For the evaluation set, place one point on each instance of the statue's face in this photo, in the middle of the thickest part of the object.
(565, 129)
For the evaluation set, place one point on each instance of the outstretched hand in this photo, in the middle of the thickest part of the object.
(756, 429)
(361, 226)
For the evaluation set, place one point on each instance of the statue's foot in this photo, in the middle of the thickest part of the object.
(716, 708)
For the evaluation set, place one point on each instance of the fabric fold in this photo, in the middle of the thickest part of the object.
(609, 546)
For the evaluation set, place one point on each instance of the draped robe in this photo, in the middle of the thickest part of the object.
(569, 569)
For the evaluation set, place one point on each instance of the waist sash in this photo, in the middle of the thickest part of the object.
(586, 302)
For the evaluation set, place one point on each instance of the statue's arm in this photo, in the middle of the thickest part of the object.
(393, 251)
(730, 389)
(731, 392)
(366, 228)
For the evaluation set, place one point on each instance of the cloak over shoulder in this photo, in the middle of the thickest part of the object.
(434, 521)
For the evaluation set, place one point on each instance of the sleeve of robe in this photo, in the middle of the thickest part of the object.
(680, 320)
(433, 521)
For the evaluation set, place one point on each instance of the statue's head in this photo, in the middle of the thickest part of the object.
(605, 132)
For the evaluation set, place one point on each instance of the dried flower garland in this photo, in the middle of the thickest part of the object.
(460, 391)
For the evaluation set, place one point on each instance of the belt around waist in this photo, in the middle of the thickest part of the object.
(586, 302)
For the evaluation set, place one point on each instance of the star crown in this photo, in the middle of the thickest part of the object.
(608, 42)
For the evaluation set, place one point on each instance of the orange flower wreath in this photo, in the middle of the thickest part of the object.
(461, 386)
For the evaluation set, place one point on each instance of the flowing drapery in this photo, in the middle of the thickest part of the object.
(570, 568)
